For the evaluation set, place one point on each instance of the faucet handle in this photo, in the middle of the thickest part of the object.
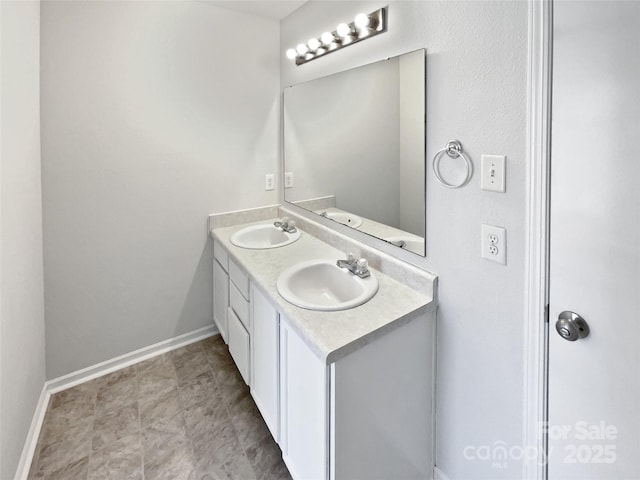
(350, 257)
(285, 220)
(363, 265)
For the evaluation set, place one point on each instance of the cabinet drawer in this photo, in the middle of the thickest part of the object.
(240, 278)
(239, 304)
(239, 344)
(220, 253)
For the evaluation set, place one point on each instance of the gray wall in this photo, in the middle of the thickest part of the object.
(154, 115)
(476, 92)
(22, 352)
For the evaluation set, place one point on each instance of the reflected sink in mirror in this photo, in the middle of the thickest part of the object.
(266, 235)
(345, 218)
(322, 285)
(408, 242)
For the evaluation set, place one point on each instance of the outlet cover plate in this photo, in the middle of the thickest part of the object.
(494, 244)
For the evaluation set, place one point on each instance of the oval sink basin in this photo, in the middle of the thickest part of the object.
(322, 285)
(263, 236)
(345, 218)
(408, 242)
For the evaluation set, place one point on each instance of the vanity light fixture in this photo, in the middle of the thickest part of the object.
(363, 26)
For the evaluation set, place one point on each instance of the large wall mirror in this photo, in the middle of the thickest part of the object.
(354, 148)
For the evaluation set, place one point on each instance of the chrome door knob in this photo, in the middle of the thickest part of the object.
(571, 326)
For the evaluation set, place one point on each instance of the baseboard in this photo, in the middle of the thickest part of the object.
(75, 378)
(33, 434)
(438, 474)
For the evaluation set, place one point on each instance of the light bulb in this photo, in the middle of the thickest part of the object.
(302, 49)
(313, 43)
(291, 54)
(327, 38)
(362, 20)
(343, 30)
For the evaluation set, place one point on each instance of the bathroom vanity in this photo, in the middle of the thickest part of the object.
(346, 394)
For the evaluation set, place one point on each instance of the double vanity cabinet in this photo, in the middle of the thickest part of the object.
(346, 394)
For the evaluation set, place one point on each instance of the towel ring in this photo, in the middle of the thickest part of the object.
(453, 150)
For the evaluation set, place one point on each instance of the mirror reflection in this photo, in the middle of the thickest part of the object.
(354, 148)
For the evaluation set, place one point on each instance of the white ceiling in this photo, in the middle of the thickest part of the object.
(273, 9)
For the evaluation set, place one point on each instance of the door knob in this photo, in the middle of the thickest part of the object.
(571, 326)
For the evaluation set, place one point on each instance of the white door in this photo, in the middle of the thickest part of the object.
(594, 382)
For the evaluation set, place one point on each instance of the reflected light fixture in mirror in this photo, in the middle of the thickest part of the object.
(363, 26)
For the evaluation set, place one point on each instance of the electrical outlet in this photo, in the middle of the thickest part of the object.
(269, 181)
(288, 179)
(492, 175)
(494, 244)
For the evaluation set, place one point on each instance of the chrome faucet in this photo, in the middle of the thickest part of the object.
(358, 267)
(286, 225)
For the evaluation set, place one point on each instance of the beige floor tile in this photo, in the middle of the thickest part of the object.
(198, 389)
(58, 455)
(176, 464)
(77, 470)
(110, 427)
(115, 397)
(237, 467)
(205, 416)
(250, 427)
(164, 405)
(74, 396)
(57, 428)
(156, 378)
(122, 460)
(184, 415)
(116, 377)
(163, 436)
(217, 445)
(266, 460)
(191, 365)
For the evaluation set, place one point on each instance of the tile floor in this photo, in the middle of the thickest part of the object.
(186, 414)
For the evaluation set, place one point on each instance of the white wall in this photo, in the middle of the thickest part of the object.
(154, 115)
(22, 351)
(476, 92)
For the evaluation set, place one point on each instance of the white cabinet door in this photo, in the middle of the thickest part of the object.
(304, 407)
(220, 298)
(265, 360)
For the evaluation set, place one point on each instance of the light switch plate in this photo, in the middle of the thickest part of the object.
(269, 181)
(493, 173)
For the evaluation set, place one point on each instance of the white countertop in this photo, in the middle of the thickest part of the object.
(330, 335)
